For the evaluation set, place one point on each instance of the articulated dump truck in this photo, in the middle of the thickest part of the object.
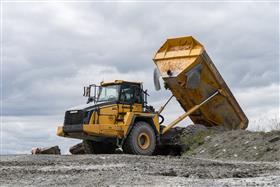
(117, 114)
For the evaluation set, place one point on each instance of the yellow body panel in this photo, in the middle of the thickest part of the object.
(93, 118)
(124, 108)
(108, 114)
(137, 107)
(108, 130)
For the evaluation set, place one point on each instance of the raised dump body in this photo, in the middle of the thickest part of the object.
(190, 74)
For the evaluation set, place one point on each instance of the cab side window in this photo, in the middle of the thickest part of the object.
(138, 95)
(131, 94)
(126, 94)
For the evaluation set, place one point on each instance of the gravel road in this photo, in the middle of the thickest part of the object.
(128, 170)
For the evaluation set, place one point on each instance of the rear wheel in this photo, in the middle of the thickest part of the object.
(141, 140)
(93, 147)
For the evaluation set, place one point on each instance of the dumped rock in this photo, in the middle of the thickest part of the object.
(194, 129)
(234, 145)
(46, 150)
(175, 134)
(274, 139)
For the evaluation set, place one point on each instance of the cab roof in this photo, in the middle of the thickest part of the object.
(118, 82)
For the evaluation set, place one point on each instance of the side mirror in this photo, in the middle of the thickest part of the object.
(156, 79)
(86, 91)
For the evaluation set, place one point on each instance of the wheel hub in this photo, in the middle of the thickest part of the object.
(143, 140)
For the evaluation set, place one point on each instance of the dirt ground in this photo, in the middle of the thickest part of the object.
(128, 170)
(213, 158)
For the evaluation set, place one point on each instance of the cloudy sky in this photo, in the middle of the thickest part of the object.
(51, 50)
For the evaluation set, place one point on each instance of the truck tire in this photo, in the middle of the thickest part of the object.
(93, 147)
(87, 144)
(141, 140)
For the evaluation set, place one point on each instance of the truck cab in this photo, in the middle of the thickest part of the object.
(112, 110)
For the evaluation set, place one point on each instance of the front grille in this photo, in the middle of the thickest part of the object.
(74, 117)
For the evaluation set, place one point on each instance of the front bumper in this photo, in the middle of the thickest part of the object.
(104, 130)
(72, 128)
(64, 130)
(59, 131)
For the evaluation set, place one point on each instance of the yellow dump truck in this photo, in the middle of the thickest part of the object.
(117, 113)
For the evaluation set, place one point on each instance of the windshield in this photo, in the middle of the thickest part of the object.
(108, 93)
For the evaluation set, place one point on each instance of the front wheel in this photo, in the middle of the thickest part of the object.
(141, 140)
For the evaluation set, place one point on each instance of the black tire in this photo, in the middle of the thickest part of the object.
(141, 140)
(87, 144)
(77, 149)
(93, 147)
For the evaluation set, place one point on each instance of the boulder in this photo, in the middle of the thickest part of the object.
(46, 150)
